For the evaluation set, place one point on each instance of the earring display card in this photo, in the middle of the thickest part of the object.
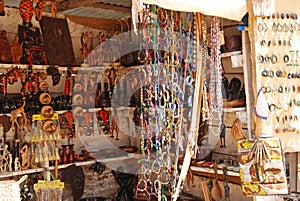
(57, 39)
(277, 60)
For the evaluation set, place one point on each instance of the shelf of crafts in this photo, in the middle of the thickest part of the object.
(77, 163)
(64, 68)
(38, 170)
(233, 177)
(85, 110)
(98, 109)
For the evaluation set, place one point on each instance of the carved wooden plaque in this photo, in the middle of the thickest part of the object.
(57, 41)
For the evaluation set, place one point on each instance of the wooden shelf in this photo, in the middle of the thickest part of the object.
(233, 177)
(85, 110)
(64, 68)
(38, 170)
(77, 163)
(229, 54)
(235, 109)
(21, 172)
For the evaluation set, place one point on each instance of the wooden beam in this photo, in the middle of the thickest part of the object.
(110, 7)
(97, 23)
(70, 4)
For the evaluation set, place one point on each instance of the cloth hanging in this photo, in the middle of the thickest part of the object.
(261, 110)
(229, 9)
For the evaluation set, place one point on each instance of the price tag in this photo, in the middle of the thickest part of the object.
(39, 117)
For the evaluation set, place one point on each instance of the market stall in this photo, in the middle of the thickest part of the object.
(185, 100)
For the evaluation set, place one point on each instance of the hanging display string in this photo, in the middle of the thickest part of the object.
(162, 99)
(205, 108)
(215, 89)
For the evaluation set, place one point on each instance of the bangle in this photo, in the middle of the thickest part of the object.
(283, 74)
(273, 59)
(265, 73)
(279, 27)
(266, 89)
(261, 59)
(286, 58)
(274, 27)
(273, 107)
(260, 27)
(141, 185)
(285, 27)
(291, 28)
(279, 73)
(268, 59)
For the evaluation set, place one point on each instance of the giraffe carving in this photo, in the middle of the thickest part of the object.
(14, 115)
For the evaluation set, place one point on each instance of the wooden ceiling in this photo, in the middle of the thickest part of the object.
(121, 6)
(99, 14)
(103, 15)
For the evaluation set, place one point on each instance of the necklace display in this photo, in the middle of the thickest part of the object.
(168, 54)
(215, 70)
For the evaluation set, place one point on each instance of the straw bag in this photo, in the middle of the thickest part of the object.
(262, 167)
(10, 189)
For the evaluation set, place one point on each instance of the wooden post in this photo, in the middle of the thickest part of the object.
(205, 190)
(251, 21)
(248, 77)
(56, 169)
(190, 149)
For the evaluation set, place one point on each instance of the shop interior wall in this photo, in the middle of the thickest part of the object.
(97, 185)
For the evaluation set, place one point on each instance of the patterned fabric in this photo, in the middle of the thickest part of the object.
(262, 167)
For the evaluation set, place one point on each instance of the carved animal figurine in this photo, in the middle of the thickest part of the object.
(14, 116)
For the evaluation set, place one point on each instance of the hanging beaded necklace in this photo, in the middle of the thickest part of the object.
(215, 85)
(168, 52)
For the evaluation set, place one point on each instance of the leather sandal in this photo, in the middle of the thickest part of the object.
(234, 89)
(203, 134)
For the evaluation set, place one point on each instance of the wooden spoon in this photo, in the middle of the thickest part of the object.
(216, 191)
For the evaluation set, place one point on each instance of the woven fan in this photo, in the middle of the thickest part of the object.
(236, 130)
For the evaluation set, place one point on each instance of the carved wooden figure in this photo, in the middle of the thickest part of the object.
(25, 161)
(26, 12)
(16, 50)
(53, 9)
(2, 11)
(14, 115)
(4, 158)
(10, 163)
(38, 10)
(84, 51)
(17, 164)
